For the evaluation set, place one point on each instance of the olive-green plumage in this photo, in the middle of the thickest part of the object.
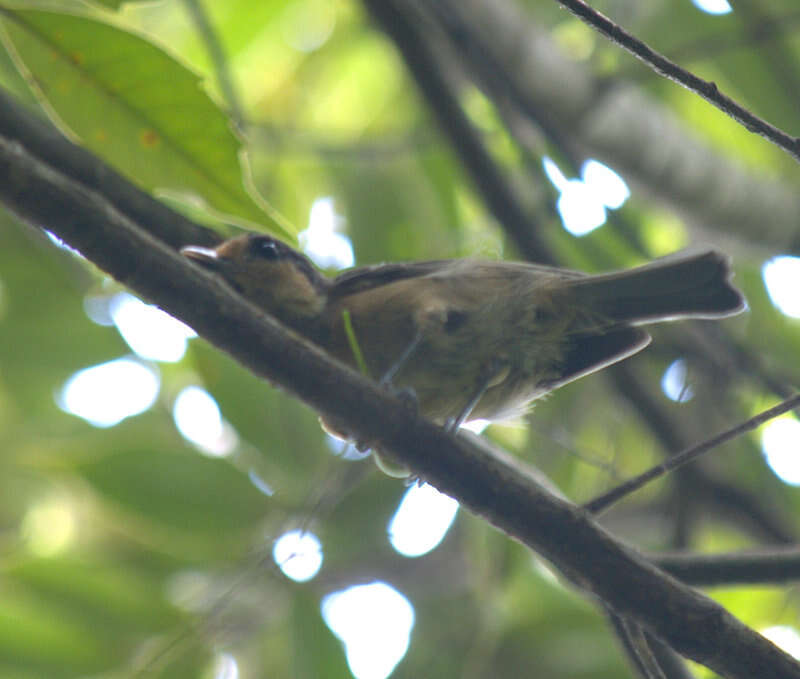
(506, 332)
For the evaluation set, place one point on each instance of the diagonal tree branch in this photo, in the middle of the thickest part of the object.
(604, 501)
(482, 478)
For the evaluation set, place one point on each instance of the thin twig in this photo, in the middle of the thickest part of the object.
(603, 502)
(635, 645)
(775, 566)
(705, 88)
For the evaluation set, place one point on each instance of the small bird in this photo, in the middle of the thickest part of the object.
(473, 338)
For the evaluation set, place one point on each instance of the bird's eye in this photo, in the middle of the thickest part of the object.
(266, 248)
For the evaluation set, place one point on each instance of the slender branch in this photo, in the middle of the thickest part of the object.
(775, 566)
(705, 88)
(484, 479)
(604, 501)
(636, 647)
(671, 663)
(734, 504)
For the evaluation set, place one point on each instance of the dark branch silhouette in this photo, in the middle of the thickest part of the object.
(40, 191)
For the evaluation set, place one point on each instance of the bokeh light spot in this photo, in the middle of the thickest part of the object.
(713, 6)
(782, 278)
(674, 382)
(784, 637)
(298, 554)
(779, 442)
(579, 208)
(374, 623)
(583, 202)
(149, 332)
(199, 420)
(321, 241)
(106, 394)
(609, 187)
(422, 520)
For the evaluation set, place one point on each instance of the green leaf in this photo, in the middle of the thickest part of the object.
(36, 635)
(137, 107)
(180, 491)
(114, 600)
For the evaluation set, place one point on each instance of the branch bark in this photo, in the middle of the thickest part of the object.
(39, 190)
(777, 566)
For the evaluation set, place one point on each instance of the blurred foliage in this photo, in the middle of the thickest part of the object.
(165, 562)
(132, 104)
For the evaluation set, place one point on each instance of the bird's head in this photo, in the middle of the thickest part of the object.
(267, 272)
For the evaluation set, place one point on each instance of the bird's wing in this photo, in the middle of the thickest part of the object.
(464, 271)
(366, 278)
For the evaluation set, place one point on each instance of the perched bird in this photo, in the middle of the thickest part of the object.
(473, 338)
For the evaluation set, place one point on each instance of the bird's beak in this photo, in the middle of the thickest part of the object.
(205, 257)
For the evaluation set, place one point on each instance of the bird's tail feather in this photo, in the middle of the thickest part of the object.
(695, 284)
